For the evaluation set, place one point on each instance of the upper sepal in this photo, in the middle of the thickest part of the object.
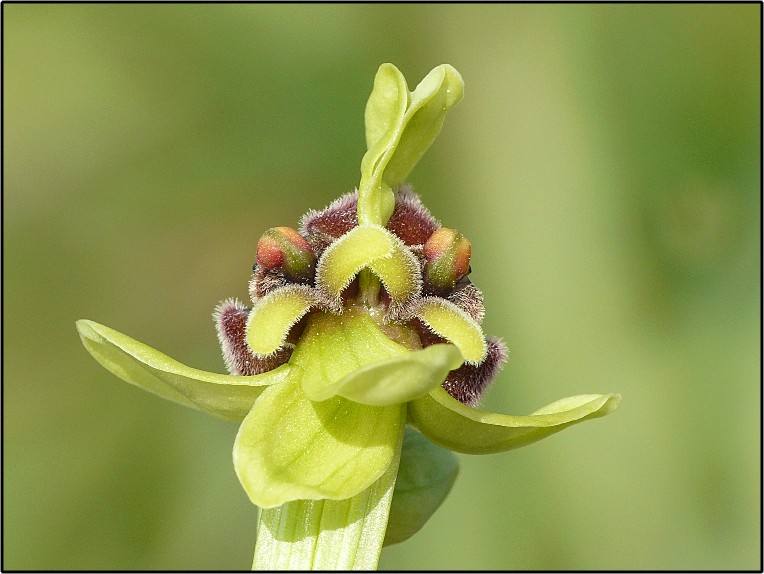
(226, 396)
(400, 127)
(447, 422)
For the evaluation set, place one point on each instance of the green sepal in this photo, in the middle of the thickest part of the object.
(435, 95)
(275, 314)
(351, 356)
(226, 396)
(452, 323)
(384, 111)
(447, 422)
(425, 477)
(383, 117)
(396, 141)
(378, 249)
(290, 448)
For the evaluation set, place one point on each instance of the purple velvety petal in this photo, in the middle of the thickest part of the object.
(469, 299)
(264, 281)
(321, 228)
(469, 382)
(231, 323)
(411, 221)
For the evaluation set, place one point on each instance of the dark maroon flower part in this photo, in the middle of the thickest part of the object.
(287, 257)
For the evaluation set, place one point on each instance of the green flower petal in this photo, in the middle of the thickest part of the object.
(425, 476)
(275, 314)
(332, 347)
(384, 117)
(226, 396)
(350, 355)
(373, 247)
(446, 421)
(402, 378)
(451, 323)
(344, 258)
(290, 448)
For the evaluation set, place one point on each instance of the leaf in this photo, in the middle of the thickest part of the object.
(290, 448)
(447, 422)
(425, 477)
(275, 314)
(452, 323)
(226, 396)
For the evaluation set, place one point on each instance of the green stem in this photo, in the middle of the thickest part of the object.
(328, 534)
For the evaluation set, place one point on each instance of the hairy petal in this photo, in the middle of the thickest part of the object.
(453, 324)
(264, 281)
(375, 248)
(470, 300)
(272, 317)
(321, 228)
(231, 323)
(411, 221)
(469, 382)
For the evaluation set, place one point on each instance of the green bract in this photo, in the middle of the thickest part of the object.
(348, 340)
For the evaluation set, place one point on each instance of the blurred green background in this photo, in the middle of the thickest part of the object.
(604, 163)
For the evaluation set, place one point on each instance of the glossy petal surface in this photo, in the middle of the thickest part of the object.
(290, 448)
(351, 356)
(447, 422)
(226, 396)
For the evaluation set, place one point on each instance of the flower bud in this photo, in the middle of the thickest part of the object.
(283, 248)
(447, 259)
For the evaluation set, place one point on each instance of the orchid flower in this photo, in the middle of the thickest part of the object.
(359, 363)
